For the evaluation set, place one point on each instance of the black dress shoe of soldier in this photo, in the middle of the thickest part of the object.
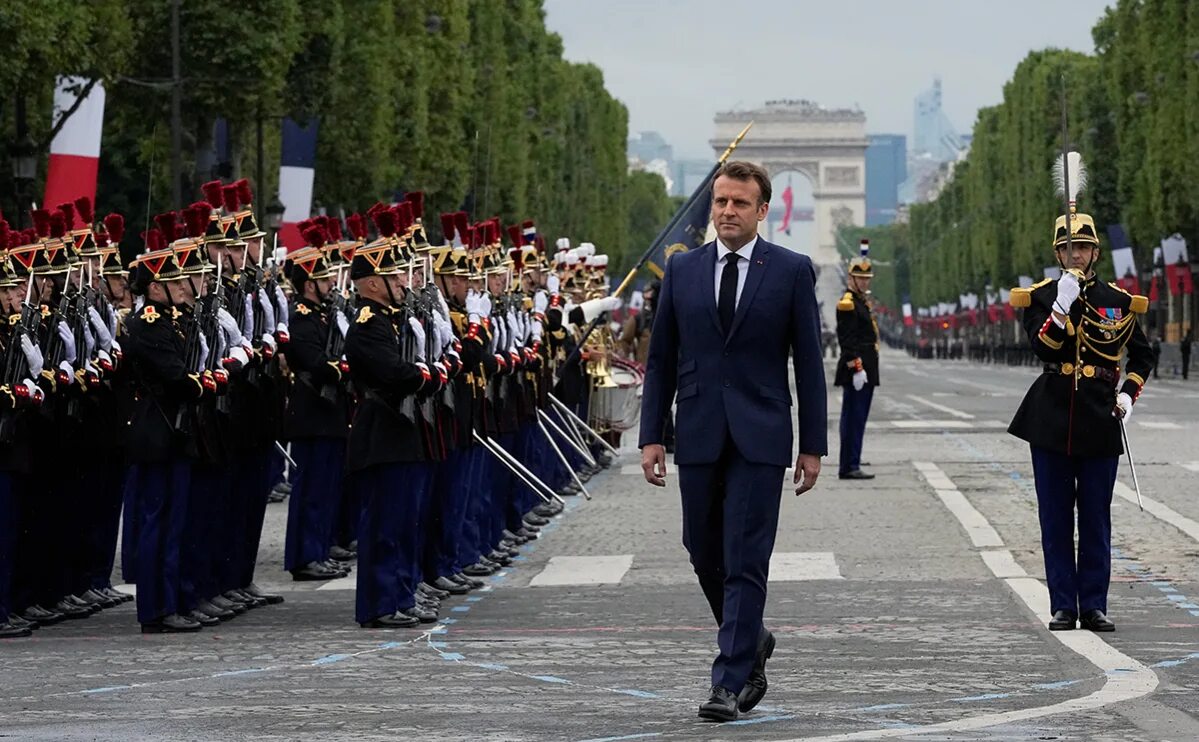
(247, 600)
(338, 554)
(463, 579)
(720, 706)
(1094, 620)
(1062, 621)
(21, 623)
(856, 474)
(394, 621)
(478, 569)
(9, 631)
(115, 594)
(755, 686)
(71, 611)
(41, 616)
(314, 571)
(78, 601)
(421, 614)
(208, 608)
(257, 592)
(172, 624)
(96, 598)
(237, 607)
(445, 584)
(203, 618)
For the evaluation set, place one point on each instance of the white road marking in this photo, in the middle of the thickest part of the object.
(583, 570)
(1193, 466)
(1002, 563)
(980, 531)
(1160, 510)
(930, 424)
(1159, 425)
(940, 407)
(349, 582)
(128, 588)
(1126, 678)
(794, 566)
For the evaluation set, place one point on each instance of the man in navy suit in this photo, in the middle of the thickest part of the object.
(728, 316)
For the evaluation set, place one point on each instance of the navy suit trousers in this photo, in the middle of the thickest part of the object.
(390, 494)
(1063, 484)
(730, 515)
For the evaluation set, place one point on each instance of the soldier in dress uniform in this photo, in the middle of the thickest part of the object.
(857, 368)
(316, 420)
(1080, 328)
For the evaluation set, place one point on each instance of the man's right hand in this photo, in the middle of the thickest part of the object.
(653, 464)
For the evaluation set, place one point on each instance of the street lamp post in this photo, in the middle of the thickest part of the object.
(23, 156)
(1159, 274)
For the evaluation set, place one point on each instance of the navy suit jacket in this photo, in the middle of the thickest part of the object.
(736, 386)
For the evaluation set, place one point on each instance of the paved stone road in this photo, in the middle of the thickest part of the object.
(902, 610)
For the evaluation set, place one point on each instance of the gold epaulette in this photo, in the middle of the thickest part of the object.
(364, 315)
(846, 302)
(1020, 298)
(1136, 303)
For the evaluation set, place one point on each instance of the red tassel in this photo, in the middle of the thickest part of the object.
(417, 199)
(461, 222)
(514, 234)
(68, 215)
(385, 222)
(41, 222)
(212, 193)
(314, 236)
(447, 226)
(244, 194)
(58, 224)
(168, 226)
(87, 215)
(229, 199)
(334, 230)
(115, 225)
(196, 217)
(4, 233)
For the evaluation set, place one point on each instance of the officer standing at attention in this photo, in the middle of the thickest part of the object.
(857, 368)
(1080, 328)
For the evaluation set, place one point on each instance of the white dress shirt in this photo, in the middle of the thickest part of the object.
(745, 253)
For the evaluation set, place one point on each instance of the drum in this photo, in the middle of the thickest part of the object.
(616, 407)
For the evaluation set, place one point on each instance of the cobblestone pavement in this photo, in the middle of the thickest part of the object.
(901, 608)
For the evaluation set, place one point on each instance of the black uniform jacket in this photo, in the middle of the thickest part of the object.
(163, 386)
(317, 405)
(385, 424)
(858, 336)
(1069, 407)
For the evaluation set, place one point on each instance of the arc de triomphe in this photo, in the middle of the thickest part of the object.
(827, 146)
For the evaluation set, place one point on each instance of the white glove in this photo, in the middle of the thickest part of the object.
(419, 333)
(513, 327)
(101, 327)
(281, 302)
(859, 380)
(68, 344)
(248, 314)
(268, 307)
(595, 307)
(445, 333)
(536, 331)
(69, 370)
(343, 324)
(35, 392)
(281, 327)
(230, 328)
(202, 360)
(239, 354)
(268, 340)
(103, 356)
(1067, 294)
(89, 342)
(442, 308)
(116, 347)
(485, 304)
(110, 318)
(1124, 403)
(552, 284)
(541, 302)
(33, 355)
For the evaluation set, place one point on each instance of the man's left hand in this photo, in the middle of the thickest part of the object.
(807, 469)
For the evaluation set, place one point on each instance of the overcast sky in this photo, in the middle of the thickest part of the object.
(674, 63)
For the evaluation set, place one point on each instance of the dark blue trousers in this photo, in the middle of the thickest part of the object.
(200, 537)
(386, 538)
(162, 492)
(730, 515)
(453, 491)
(131, 524)
(253, 483)
(855, 408)
(315, 495)
(104, 522)
(480, 493)
(9, 507)
(1064, 484)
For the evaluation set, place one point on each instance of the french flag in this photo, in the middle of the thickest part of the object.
(75, 151)
(296, 173)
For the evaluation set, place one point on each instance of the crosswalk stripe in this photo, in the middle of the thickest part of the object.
(583, 570)
(794, 566)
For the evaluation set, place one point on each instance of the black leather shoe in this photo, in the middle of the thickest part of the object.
(75, 600)
(39, 615)
(249, 601)
(1062, 621)
(500, 557)
(21, 623)
(213, 611)
(447, 585)
(756, 685)
(338, 554)
(115, 594)
(91, 597)
(535, 520)
(172, 624)
(462, 579)
(546, 510)
(429, 591)
(395, 621)
(203, 618)
(477, 570)
(236, 607)
(71, 611)
(1094, 620)
(256, 592)
(856, 474)
(421, 614)
(314, 571)
(720, 706)
(9, 631)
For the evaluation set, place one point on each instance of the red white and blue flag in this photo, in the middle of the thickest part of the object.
(297, 171)
(75, 150)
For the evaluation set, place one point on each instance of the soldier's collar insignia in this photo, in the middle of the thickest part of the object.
(364, 314)
(150, 314)
(14, 319)
(302, 308)
(175, 313)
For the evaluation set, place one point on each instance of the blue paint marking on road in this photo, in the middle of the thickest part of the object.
(447, 620)
(474, 598)
(1187, 605)
(437, 645)
(1166, 587)
(520, 559)
(391, 645)
(883, 707)
(107, 689)
(1195, 613)
(330, 658)
(438, 630)
(1058, 684)
(1176, 663)
(1176, 598)
(758, 720)
(645, 735)
(491, 666)
(551, 679)
(1160, 584)
(983, 697)
(637, 693)
(451, 656)
(461, 608)
(249, 671)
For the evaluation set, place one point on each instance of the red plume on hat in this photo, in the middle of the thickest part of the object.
(514, 235)
(196, 218)
(115, 225)
(447, 226)
(517, 256)
(4, 233)
(461, 222)
(334, 229)
(153, 239)
(357, 225)
(315, 236)
(385, 222)
(41, 222)
(68, 215)
(375, 209)
(403, 211)
(304, 224)
(229, 198)
(212, 193)
(83, 205)
(101, 239)
(58, 224)
(168, 226)
(417, 199)
(244, 194)
(30, 236)
(322, 221)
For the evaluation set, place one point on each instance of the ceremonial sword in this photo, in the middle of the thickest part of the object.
(1131, 465)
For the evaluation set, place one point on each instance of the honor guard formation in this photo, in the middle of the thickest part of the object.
(430, 402)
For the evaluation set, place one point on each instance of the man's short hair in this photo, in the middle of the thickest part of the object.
(742, 170)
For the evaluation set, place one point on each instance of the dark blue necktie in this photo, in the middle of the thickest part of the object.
(727, 304)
